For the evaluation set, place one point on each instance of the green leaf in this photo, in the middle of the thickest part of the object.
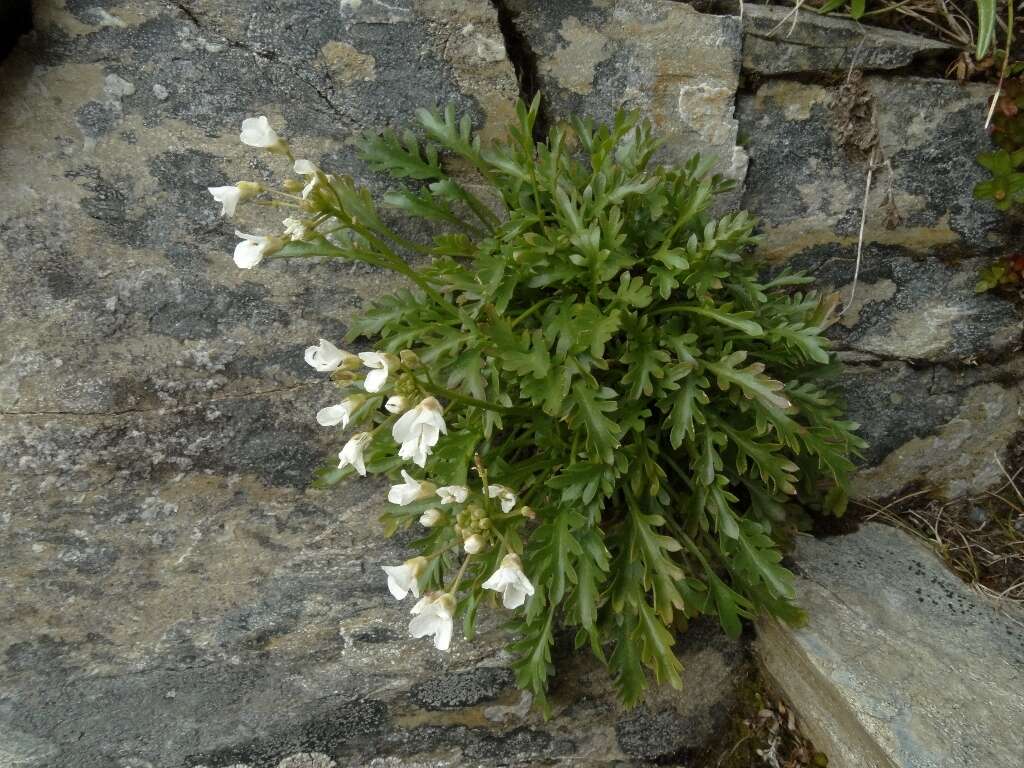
(533, 664)
(751, 380)
(553, 551)
(757, 557)
(625, 665)
(584, 481)
(590, 408)
(731, 606)
(986, 27)
(591, 570)
(738, 321)
(402, 159)
(644, 362)
(392, 312)
(685, 408)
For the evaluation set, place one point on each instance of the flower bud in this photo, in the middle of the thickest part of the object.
(430, 518)
(249, 189)
(528, 513)
(409, 358)
(292, 185)
(474, 544)
(343, 377)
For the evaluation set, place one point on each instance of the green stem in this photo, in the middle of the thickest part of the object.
(529, 312)
(449, 394)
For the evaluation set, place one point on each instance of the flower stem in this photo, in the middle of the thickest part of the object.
(458, 577)
(449, 394)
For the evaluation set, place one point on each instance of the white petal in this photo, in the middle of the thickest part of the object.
(256, 132)
(248, 254)
(404, 428)
(513, 598)
(453, 494)
(303, 167)
(228, 197)
(421, 625)
(324, 356)
(333, 415)
(398, 580)
(495, 581)
(375, 380)
(443, 635)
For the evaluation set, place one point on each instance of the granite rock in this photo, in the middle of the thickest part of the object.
(901, 664)
(781, 40)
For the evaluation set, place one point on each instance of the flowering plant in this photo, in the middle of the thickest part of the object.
(596, 409)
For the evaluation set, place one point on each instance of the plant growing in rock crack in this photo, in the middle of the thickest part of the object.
(596, 411)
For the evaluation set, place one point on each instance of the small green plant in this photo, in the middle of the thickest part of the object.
(1006, 187)
(947, 20)
(596, 407)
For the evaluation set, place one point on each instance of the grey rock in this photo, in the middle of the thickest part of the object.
(919, 310)
(901, 664)
(808, 189)
(171, 592)
(680, 67)
(787, 41)
(933, 367)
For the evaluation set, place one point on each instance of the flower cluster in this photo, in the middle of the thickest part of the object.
(592, 406)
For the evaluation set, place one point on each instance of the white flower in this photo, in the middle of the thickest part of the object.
(380, 365)
(430, 518)
(327, 357)
(409, 491)
(418, 430)
(453, 494)
(256, 132)
(306, 168)
(433, 616)
(333, 415)
(510, 581)
(352, 452)
(508, 499)
(295, 229)
(396, 404)
(474, 544)
(228, 197)
(253, 248)
(402, 579)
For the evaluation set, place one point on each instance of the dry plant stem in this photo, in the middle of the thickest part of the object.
(795, 14)
(1010, 479)
(1005, 67)
(860, 236)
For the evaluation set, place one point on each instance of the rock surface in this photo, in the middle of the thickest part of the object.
(171, 593)
(786, 41)
(678, 66)
(901, 665)
(933, 368)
